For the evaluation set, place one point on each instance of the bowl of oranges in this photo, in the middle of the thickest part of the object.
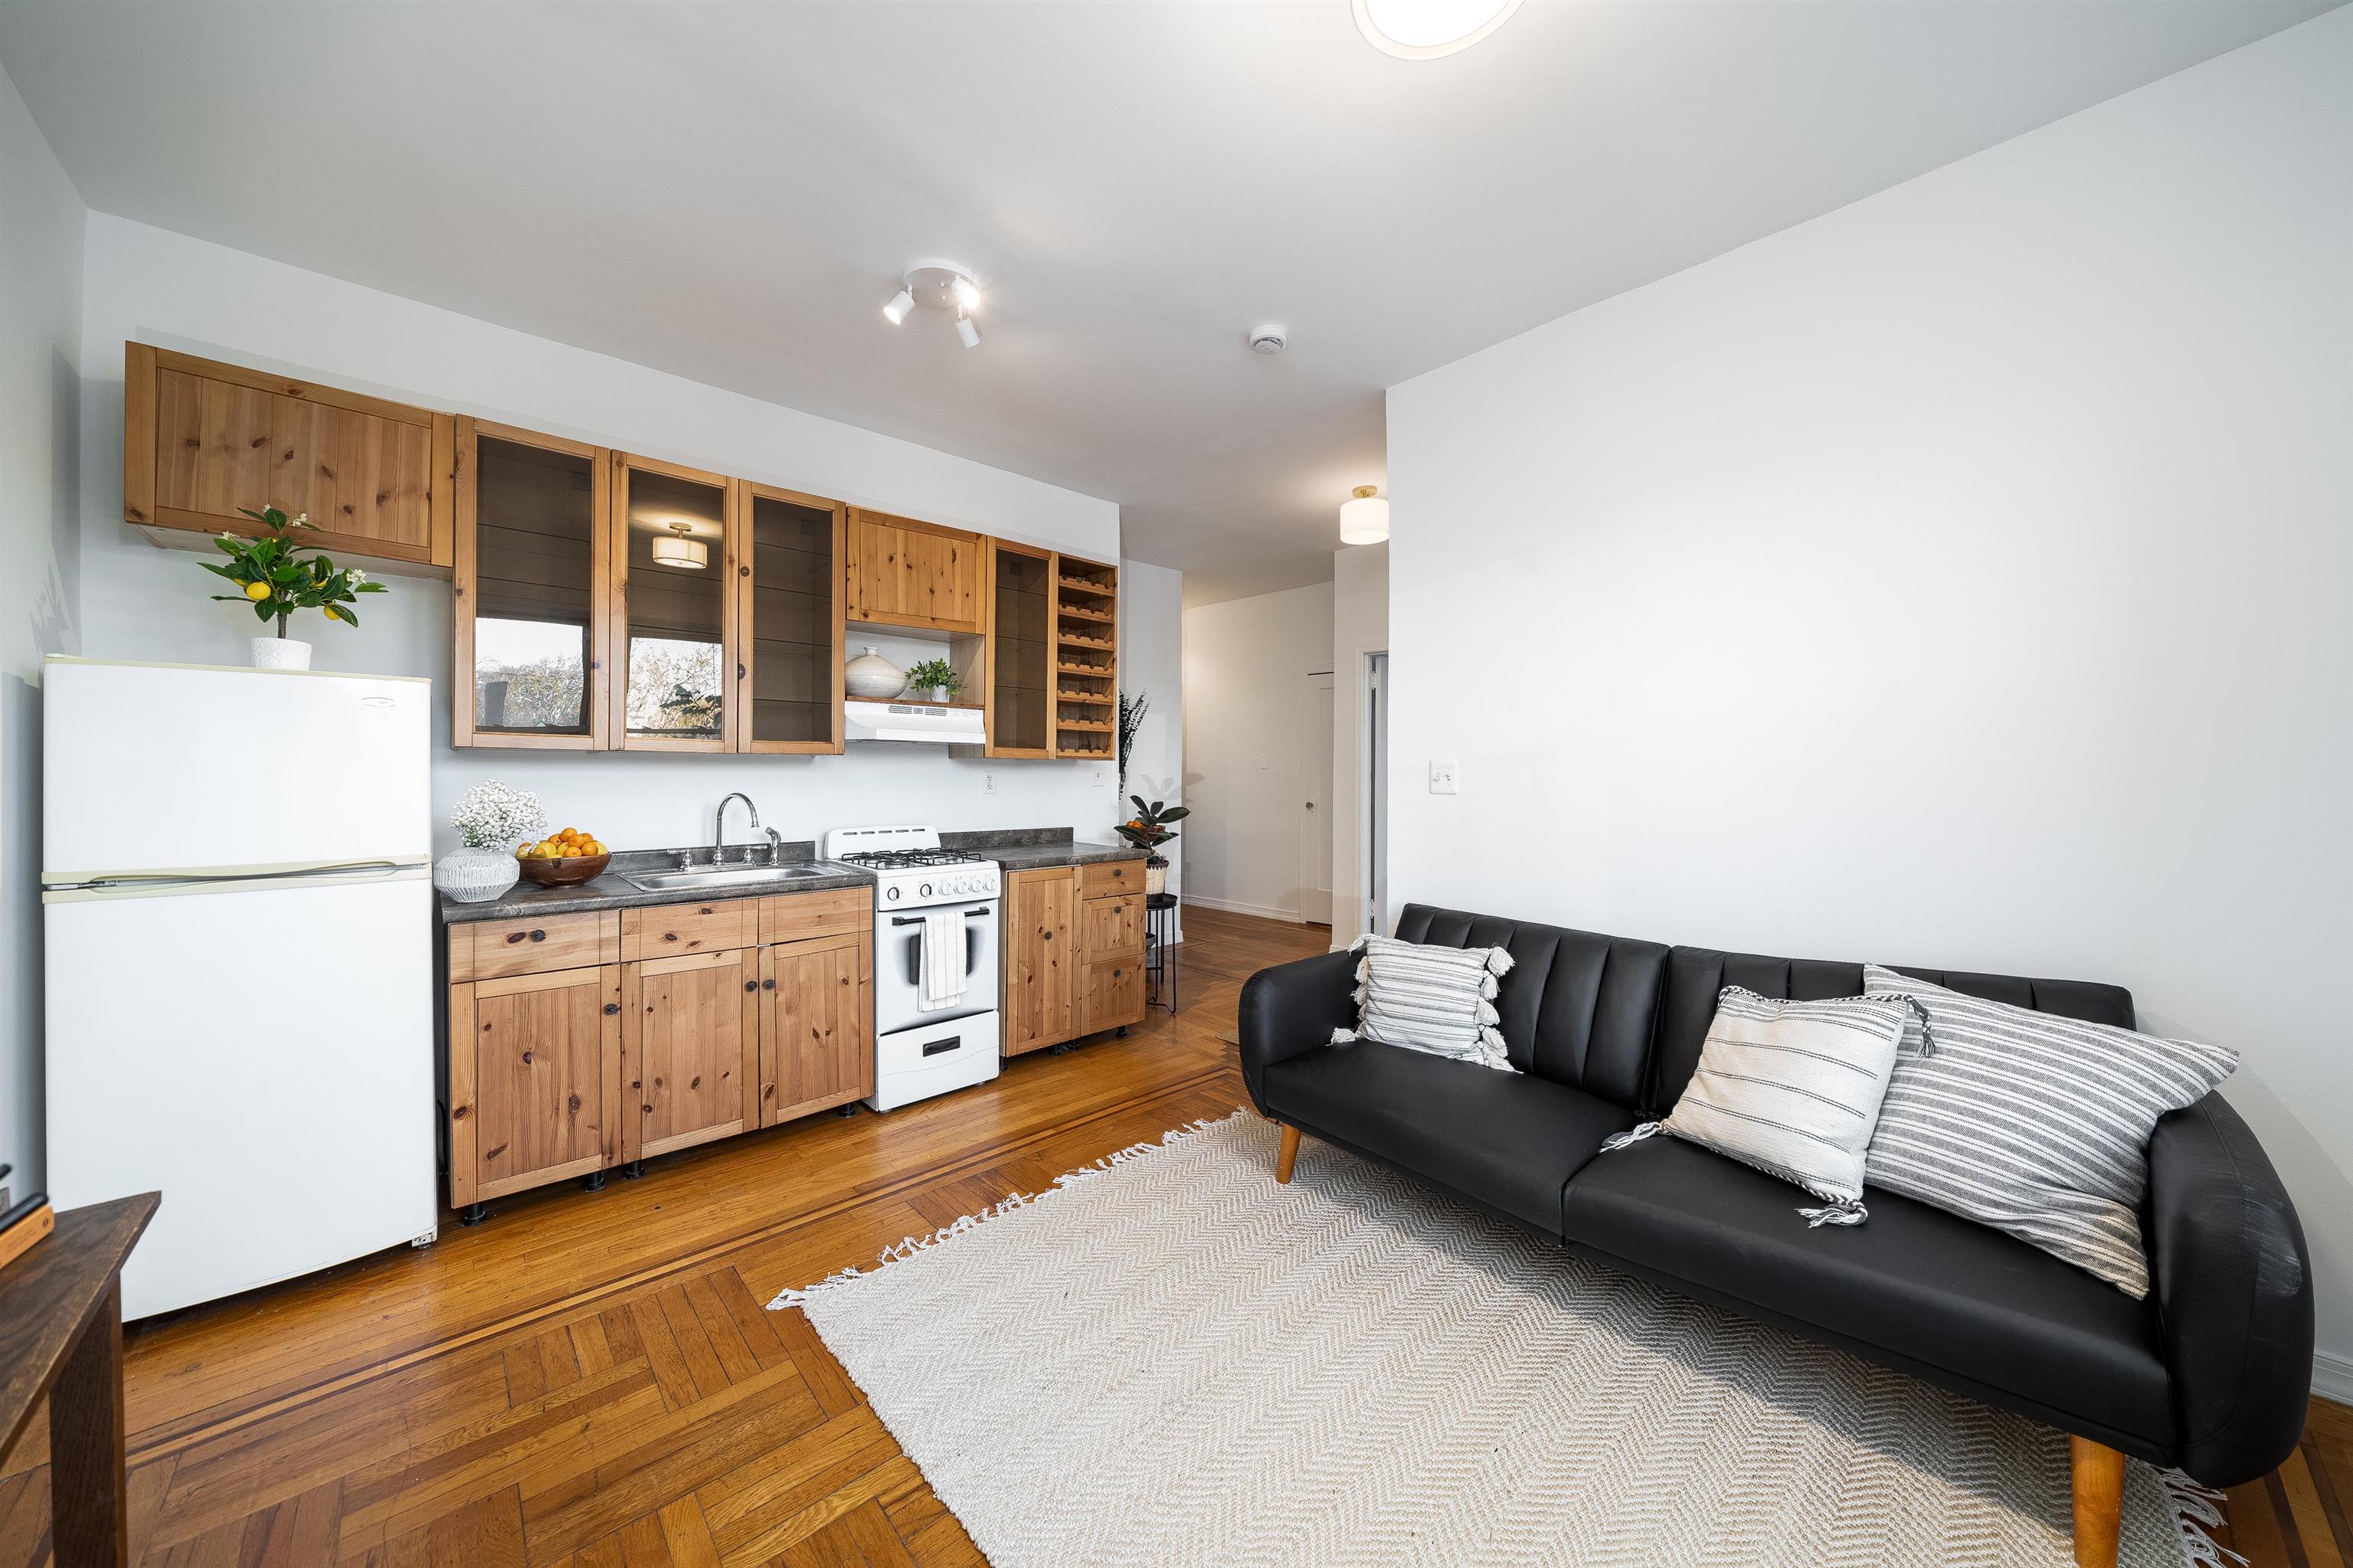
(563, 859)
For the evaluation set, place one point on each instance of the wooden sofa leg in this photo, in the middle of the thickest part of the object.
(2099, 1500)
(1290, 1152)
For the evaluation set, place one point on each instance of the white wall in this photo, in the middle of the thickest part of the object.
(1152, 661)
(41, 219)
(1246, 667)
(1360, 625)
(1960, 579)
(145, 602)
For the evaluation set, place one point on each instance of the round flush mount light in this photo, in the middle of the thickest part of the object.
(1364, 516)
(680, 548)
(936, 285)
(1427, 29)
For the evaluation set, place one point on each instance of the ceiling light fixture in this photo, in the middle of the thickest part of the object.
(678, 548)
(1364, 516)
(1426, 30)
(948, 286)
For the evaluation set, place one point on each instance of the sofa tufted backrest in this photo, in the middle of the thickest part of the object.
(1625, 1019)
(1577, 1008)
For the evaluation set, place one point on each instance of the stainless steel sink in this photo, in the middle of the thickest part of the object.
(724, 876)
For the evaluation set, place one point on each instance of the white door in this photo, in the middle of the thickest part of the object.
(1376, 793)
(1315, 810)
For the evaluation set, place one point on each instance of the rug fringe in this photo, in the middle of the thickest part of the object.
(2197, 1512)
(909, 1246)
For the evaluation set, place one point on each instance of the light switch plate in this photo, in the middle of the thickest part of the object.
(1445, 778)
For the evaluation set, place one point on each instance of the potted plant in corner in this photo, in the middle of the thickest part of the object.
(273, 576)
(937, 678)
(1148, 831)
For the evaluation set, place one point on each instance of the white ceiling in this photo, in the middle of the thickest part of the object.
(729, 192)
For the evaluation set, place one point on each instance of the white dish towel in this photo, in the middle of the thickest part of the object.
(942, 983)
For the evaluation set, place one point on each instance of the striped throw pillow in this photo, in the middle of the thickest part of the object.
(2033, 1124)
(1793, 1089)
(1438, 999)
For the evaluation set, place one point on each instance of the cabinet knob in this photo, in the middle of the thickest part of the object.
(768, 985)
(539, 936)
(751, 985)
(611, 1008)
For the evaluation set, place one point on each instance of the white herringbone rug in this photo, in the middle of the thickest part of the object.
(1173, 1360)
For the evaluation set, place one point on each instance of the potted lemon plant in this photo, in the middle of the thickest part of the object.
(1148, 831)
(274, 576)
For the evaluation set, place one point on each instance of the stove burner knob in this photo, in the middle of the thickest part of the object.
(925, 891)
(890, 894)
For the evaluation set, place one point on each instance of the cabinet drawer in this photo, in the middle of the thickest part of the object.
(666, 930)
(488, 949)
(834, 912)
(1112, 927)
(1114, 995)
(1109, 877)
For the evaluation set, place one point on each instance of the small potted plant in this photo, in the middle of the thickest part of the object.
(277, 579)
(492, 822)
(937, 677)
(1148, 831)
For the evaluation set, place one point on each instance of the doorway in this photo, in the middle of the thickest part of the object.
(1315, 814)
(1372, 848)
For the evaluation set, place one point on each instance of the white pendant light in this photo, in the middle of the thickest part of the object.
(1426, 30)
(1364, 516)
(677, 548)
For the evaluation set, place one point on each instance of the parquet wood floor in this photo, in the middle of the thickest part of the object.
(590, 1381)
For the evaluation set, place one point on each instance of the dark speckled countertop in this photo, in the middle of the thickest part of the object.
(1015, 849)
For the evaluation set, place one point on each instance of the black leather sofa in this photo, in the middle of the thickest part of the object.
(2210, 1373)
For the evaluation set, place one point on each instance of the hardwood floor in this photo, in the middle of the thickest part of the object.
(590, 1380)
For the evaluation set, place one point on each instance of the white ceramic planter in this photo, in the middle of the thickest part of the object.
(476, 875)
(942, 694)
(280, 654)
(1156, 879)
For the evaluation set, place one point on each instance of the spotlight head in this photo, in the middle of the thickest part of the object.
(968, 293)
(896, 310)
(966, 330)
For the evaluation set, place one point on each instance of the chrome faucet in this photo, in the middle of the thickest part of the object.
(719, 828)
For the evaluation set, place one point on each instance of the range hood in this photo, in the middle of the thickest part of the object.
(912, 721)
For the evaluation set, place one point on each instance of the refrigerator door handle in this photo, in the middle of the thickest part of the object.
(198, 879)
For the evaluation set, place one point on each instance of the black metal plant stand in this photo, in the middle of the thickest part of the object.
(1159, 950)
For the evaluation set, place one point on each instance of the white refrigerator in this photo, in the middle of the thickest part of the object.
(238, 918)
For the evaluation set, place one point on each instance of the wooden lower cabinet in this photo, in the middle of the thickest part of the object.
(1073, 956)
(1041, 960)
(690, 1049)
(817, 1035)
(536, 1091)
(559, 1067)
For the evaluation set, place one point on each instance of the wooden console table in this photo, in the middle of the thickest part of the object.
(61, 1335)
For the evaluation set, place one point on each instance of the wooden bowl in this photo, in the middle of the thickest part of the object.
(569, 872)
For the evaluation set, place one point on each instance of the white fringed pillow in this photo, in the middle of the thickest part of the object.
(1438, 999)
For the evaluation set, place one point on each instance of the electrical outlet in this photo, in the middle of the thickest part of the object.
(1446, 779)
(989, 783)
(1103, 776)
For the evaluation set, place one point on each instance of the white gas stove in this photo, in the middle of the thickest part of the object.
(935, 1023)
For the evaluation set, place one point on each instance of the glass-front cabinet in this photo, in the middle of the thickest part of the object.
(1021, 651)
(789, 580)
(532, 531)
(676, 615)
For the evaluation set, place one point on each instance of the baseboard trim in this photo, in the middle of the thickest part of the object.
(2332, 1377)
(1232, 906)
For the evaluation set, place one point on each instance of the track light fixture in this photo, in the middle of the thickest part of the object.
(935, 285)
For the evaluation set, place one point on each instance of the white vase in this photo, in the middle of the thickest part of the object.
(280, 654)
(874, 677)
(476, 875)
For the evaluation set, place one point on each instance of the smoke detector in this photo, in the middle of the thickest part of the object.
(1268, 339)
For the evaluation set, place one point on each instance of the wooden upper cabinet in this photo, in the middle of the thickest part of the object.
(789, 586)
(900, 572)
(1020, 650)
(201, 440)
(532, 613)
(675, 608)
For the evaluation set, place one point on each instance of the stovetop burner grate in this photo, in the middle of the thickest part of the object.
(893, 859)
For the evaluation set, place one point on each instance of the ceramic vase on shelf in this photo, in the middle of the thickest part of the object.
(280, 654)
(873, 678)
(476, 875)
